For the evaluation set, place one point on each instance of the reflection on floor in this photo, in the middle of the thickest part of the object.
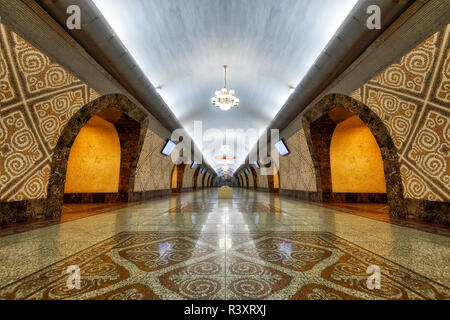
(380, 212)
(70, 212)
(254, 246)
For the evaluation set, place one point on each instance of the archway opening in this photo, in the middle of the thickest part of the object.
(195, 177)
(100, 159)
(349, 159)
(94, 159)
(255, 178)
(246, 180)
(203, 179)
(355, 159)
(177, 178)
(128, 120)
(273, 181)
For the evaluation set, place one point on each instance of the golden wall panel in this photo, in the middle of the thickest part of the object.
(94, 159)
(355, 159)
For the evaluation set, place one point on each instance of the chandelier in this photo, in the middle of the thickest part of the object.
(224, 99)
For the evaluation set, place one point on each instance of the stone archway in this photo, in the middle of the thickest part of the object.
(131, 141)
(255, 178)
(177, 178)
(319, 123)
(246, 179)
(203, 179)
(195, 177)
(273, 180)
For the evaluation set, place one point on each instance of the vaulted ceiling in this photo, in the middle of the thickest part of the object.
(182, 46)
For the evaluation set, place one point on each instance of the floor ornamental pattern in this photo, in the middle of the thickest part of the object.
(192, 265)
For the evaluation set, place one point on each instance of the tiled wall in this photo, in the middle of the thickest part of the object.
(37, 99)
(297, 169)
(188, 177)
(412, 98)
(153, 171)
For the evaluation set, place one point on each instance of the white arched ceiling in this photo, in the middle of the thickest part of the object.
(181, 46)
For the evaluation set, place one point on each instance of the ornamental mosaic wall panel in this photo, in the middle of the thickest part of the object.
(412, 98)
(37, 99)
(297, 169)
(153, 171)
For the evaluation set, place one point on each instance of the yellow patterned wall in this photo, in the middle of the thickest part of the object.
(297, 169)
(355, 159)
(412, 98)
(94, 159)
(154, 169)
(37, 99)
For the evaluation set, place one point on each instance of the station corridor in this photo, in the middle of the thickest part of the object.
(228, 150)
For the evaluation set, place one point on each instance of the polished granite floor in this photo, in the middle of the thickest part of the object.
(195, 246)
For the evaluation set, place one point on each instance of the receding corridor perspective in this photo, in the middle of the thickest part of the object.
(224, 150)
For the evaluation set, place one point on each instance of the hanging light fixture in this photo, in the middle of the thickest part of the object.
(224, 99)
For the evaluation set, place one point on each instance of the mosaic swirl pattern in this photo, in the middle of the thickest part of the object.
(412, 99)
(37, 99)
(192, 265)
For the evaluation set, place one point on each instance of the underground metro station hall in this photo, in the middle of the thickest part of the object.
(224, 150)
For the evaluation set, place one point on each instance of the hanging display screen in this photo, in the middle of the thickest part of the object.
(168, 148)
(282, 148)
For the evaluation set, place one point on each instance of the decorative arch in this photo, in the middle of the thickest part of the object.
(245, 177)
(177, 178)
(131, 127)
(255, 178)
(273, 180)
(203, 179)
(319, 123)
(195, 177)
